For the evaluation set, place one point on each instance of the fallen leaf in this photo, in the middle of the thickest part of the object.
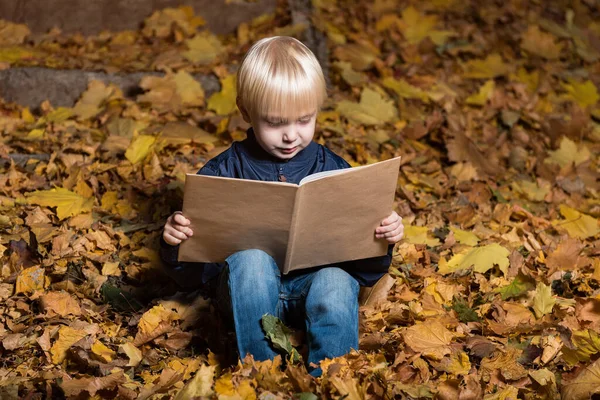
(61, 303)
(419, 235)
(12, 34)
(139, 148)
(102, 352)
(134, 354)
(585, 94)
(224, 102)
(541, 44)
(568, 154)
(67, 337)
(490, 67)
(74, 387)
(430, 338)
(66, 202)
(31, 280)
(585, 385)
(405, 89)
(481, 259)
(577, 224)
(372, 109)
(543, 301)
(204, 48)
(464, 237)
(483, 96)
(200, 385)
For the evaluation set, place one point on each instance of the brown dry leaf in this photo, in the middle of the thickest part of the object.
(153, 317)
(586, 384)
(541, 44)
(75, 387)
(566, 256)
(61, 303)
(430, 338)
(12, 34)
(177, 133)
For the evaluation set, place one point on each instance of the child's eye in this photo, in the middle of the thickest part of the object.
(275, 123)
(304, 121)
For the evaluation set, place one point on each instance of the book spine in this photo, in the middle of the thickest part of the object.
(287, 265)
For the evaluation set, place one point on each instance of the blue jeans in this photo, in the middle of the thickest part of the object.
(324, 302)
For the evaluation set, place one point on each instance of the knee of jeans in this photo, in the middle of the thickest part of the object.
(334, 291)
(252, 264)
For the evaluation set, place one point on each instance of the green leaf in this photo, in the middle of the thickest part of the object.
(519, 286)
(465, 313)
(279, 335)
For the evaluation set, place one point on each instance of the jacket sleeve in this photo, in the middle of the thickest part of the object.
(185, 274)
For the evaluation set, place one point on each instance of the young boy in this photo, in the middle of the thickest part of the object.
(281, 88)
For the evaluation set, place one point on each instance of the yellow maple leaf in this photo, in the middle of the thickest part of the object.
(491, 67)
(31, 280)
(139, 148)
(540, 43)
(465, 237)
(543, 302)
(586, 343)
(530, 79)
(224, 102)
(360, 55)
(153, 317)
(67, 203)
(188, 89)
(102, 352)
(224, 386)
(483, 95)
(200, 385)
(568, 154)
(352, 77)
(372, 109)
(92, 100)
(67, 336)
(577, 224)
(134, 354)
(419, 235)
(416, 27)
(405, 89)
(430, 338)
(481, 259)
(585, 94)
(204, 48)
(534, 191)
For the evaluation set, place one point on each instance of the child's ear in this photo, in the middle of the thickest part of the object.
(243, 110)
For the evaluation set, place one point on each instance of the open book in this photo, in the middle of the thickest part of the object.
(329, 217)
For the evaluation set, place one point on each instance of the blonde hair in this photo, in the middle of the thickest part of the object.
(282, 77)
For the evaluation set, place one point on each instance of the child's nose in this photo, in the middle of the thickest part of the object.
(290, 134)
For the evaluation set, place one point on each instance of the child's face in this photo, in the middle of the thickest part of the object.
(284, 138)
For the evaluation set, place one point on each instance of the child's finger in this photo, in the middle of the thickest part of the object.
(184, 229)
(180, 219)
(177, 234)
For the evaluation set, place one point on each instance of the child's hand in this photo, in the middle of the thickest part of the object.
(177, 229)
(391, 229)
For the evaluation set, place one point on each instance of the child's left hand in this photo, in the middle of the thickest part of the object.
(391, 228)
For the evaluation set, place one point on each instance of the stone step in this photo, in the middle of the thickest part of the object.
(93, 16)
(31, 86)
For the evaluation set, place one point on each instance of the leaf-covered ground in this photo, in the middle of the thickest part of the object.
(494, 293)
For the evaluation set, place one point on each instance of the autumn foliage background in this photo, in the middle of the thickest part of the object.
(494, 293)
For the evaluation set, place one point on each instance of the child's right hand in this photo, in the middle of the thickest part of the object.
(177, 229)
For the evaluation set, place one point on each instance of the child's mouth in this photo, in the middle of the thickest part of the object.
(289, 151)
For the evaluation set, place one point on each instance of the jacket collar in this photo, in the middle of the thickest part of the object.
(252, 149)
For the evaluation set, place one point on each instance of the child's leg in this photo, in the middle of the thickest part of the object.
(331, 315)
(254, 282)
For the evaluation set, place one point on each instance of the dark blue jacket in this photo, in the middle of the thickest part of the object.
(247, 160)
